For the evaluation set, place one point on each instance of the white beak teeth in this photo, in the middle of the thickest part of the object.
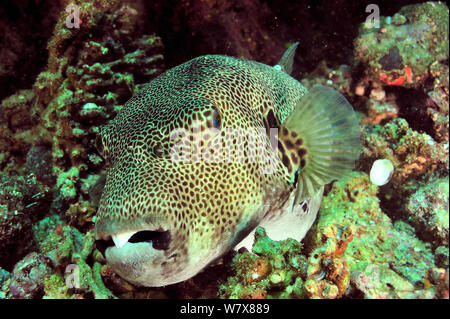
(121, 239)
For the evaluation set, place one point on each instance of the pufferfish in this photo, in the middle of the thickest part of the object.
(175, 200)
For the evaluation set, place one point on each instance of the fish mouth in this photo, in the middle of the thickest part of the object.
(159, 239)
(141, 256)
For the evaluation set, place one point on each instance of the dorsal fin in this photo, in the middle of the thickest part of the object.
(287, 61)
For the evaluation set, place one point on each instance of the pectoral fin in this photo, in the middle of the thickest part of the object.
(320, 140)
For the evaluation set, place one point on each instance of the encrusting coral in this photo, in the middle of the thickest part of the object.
(47, 133)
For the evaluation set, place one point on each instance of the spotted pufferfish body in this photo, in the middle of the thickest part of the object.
(193, 166)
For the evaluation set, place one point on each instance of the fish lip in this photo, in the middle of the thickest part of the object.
(106, 228)
(158, 242)
(108, 236)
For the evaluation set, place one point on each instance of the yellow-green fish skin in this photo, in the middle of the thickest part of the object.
(203, 208)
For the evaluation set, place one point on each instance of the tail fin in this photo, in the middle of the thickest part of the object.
(320, 139)
(287, 61)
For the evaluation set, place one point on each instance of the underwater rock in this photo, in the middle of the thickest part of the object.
(54, 126)
(66, 183)
(39, 161)
(406, 59)
(392, 60)
(380, 110)
(427, 209)
(442, 257)
(275, 269)
(437, 106)
(58, 241)
(81, 214)
(328, 275)
(15, 111)
(401, 51)
(70, 250)
(382, 283)
(91, 71)
(416, 158)
(417, 88)
(23, 200)
(16, 122)
(440, 278)
(400, 259)
(28, 275)
(340, 78)
(24, 29)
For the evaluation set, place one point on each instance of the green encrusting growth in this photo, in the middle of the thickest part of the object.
(274, 270)
(378, 247)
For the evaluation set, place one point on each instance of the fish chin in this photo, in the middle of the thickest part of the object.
(142, 265)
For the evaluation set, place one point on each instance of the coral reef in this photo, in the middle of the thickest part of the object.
(328, 275)
(23, 201)
(355, 250)
(66, 266)
(401, 51)
(47, 133)
(28, 276)
(427, 210)
(410, 50)
(404, 111)
(273, 270)
(385, 259)
(91, 72)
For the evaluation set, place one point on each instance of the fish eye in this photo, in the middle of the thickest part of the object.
(217, 120)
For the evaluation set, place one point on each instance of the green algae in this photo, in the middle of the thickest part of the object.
(377, 241)
(428, 211)
(273, 270)
(66, 183)
(66, 246)
(56, 288)
(419, 35)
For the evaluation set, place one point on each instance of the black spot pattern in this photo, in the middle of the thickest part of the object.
(202, 202)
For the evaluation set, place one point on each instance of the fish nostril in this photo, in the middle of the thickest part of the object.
(160, 239)
(102, 244)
